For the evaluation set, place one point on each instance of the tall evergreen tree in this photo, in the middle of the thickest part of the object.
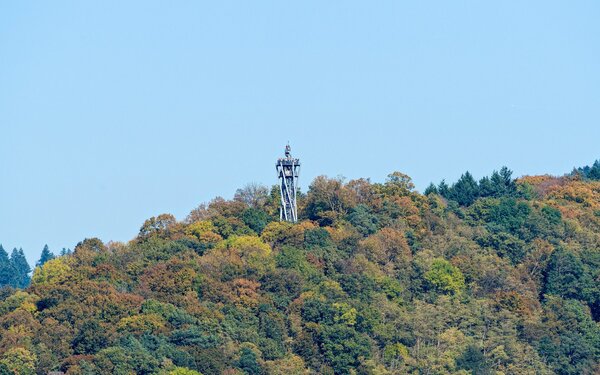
(444, 189)
(486, 187)
(594, 172)
(465, 190)
(22, 269)
(431, 189)
(587, 172)
(506, 185)
(566, 276)
(46, 256)
(3, 255)
(7, 272)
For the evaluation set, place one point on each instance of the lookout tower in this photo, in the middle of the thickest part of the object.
(288, 170)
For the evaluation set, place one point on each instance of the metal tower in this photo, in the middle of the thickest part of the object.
(288, 170)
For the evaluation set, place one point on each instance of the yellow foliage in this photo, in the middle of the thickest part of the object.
(239, 253)
(250, 249)
(54, 271)
(246, 245)
(283, 232)
(141, 323)
(275, 230)
(199, 227)
(346, 314)
(29, 307)
(586, 194)
(204, 231)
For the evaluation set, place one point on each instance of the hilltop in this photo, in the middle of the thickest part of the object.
(497, 276)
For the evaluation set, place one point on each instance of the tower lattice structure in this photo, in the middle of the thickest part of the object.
(288, 170)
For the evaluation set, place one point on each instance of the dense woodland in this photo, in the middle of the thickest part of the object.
(496, 276)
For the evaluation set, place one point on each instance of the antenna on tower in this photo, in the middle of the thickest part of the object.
(288, 171)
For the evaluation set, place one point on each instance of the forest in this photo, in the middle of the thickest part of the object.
(491, 276)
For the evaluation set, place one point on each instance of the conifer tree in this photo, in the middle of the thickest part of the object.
(444, 189)
(7, 272)
(465, 190)
(3, 256)
(594, 173)
(22, 269)
(45, 256)
(486, 187)
(431, 189)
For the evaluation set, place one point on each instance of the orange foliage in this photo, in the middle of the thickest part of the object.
(387, 245)
(167, 280)
(586, 194)
(245, 292)
(543, 184)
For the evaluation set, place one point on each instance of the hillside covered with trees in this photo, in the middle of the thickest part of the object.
(496, 276)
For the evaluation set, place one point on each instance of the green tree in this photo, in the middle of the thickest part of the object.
(256, 219)
(4, 370)
(571, 341)
(473, 360)
(7, 271)
(594, 172)
(22, 269)
(248, 362)
(444, 277)
(431, 189)
(486, 188)
(45, 256)
(587, 172)
(465, 190)
(90, 339)
(126, 359)
(65, 251)
(566, 276)
(503, 183)
(444, 189)
(364, 221)
(343, 347)
(509, 215)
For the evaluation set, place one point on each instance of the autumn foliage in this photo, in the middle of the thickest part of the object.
(496, 276)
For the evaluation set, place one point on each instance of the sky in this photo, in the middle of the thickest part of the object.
(115, 111)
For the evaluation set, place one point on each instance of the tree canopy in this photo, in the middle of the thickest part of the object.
(496, 276)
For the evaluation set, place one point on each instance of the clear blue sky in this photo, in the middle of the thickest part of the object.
(115, 111)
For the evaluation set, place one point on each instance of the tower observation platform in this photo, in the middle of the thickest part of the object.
(288, 171)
